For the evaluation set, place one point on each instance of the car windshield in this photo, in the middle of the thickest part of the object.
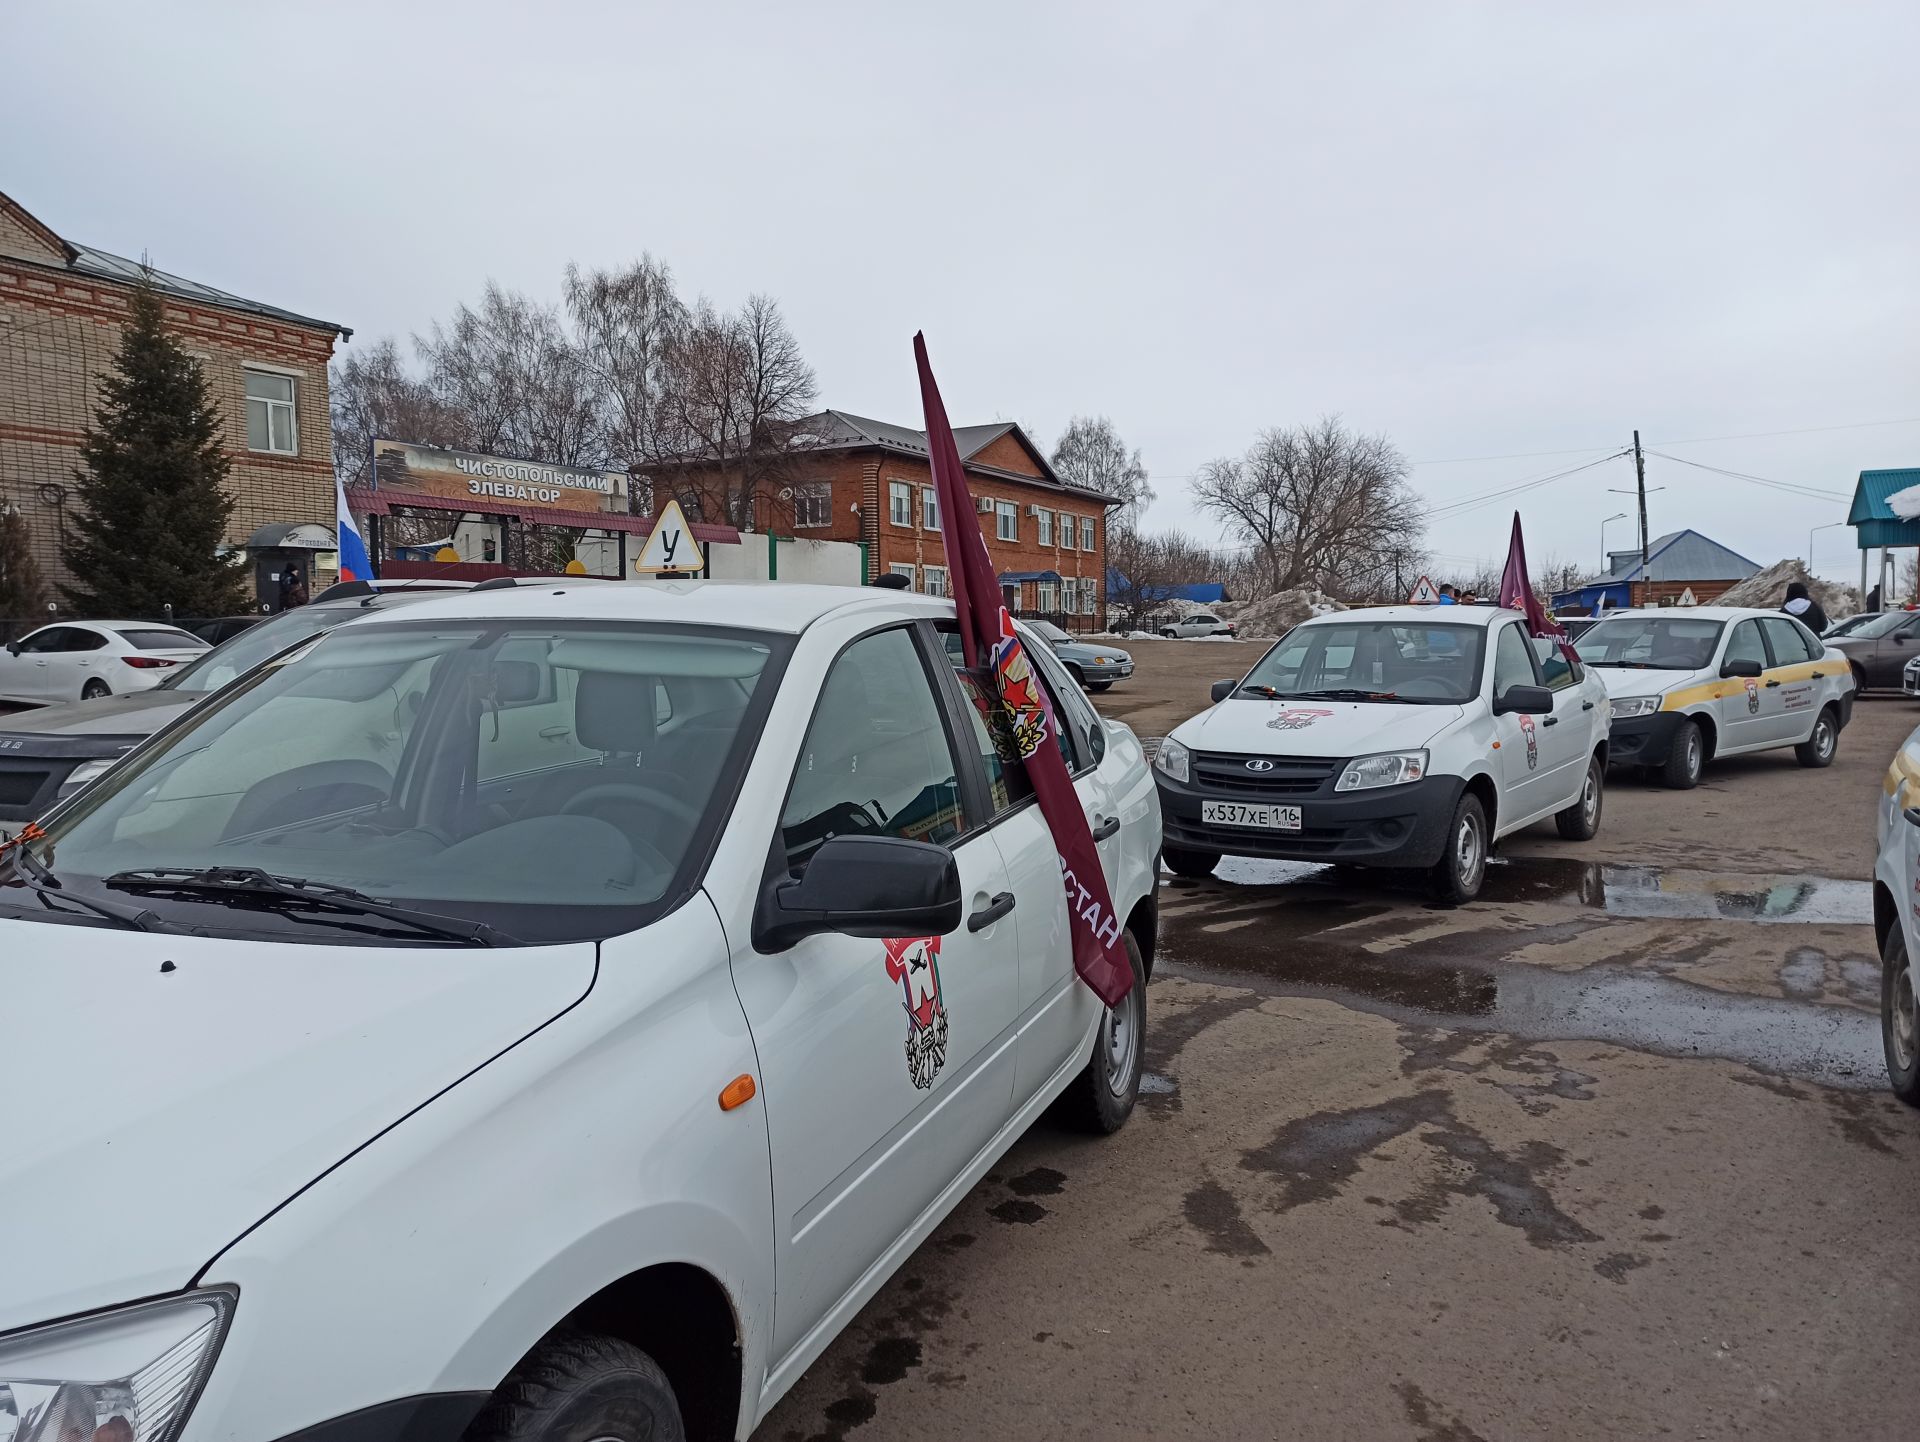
(1047, 631)
(548, 780)
(1373, 661)
(1655, 643)
(239, 654)
(1851, 624)
(1883, 624)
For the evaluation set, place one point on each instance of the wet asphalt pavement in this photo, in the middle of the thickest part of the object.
(1607, 1153)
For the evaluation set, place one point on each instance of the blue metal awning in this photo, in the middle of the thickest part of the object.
(1011, 577)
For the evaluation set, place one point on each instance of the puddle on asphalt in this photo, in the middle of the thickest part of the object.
(1275, 923)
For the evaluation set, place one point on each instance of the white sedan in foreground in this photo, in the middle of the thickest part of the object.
(549, 1013)
(79, 660)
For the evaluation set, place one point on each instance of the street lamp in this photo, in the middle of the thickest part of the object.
(1605, 555)
(1811, 534)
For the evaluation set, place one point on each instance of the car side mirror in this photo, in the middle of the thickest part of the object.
(13, 648)
(1523, 701)
(870, 886)
(1902, 638)
(1731, 669)
(1224, 689)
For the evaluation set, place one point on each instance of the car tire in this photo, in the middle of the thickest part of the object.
(1169, 633)
(1685, 758)
(1101, 1098)
(95, 689)
(1096, 687)
(1079, 677)
(1900, 1018)
(1859, 679)
(582, 1384)
(1182, 862)
(1823, 745)
(1581, 821)
(1462, 866)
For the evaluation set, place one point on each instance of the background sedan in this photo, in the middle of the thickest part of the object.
(79, 660)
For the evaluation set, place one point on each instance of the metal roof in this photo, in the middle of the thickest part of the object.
(1679, 556)
(1873, 519)
(843, 429)
(88, 261)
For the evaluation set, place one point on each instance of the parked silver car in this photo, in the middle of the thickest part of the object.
(1094, 666)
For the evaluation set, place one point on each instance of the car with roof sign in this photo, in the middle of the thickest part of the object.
(550, 1012)
(1409, 737)
(1688, 685)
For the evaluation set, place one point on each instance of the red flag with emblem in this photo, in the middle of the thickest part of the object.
(990, 643)
(1516, 593)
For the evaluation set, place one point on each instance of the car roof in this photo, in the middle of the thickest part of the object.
(1425, 615)
(119, 625)
(746, 605)
(1700, 613)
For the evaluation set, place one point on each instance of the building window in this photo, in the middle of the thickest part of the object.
(1006, 520)
(270, 416)
(1086, 533)
(904, 568)
(1090, 596)
(900, 503)
(1044, 596)
(1045, 520)
(813, 506)
(929, 508)
(936, 580)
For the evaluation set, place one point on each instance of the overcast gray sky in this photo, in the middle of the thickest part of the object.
(1483, 229)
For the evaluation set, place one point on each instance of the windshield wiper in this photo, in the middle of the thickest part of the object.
(250, 881)
(1348, 693)
(39, 878)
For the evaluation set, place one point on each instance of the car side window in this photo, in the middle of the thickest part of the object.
(1075, 713)
(1512, 660)
(876, 760)
(1556, 671)
(41, 642)
(1745, 644)
(1789, 641)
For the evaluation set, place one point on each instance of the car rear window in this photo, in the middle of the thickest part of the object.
(159, 638)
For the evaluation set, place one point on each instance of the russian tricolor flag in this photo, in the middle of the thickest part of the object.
(354, 565)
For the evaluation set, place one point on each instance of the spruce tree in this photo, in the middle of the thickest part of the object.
(153, 506)
(21, 595)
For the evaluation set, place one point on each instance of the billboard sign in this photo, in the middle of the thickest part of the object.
(488, 483)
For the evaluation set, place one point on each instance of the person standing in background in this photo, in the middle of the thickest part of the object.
(1803, 608)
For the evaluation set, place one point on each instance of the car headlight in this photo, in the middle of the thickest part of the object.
(1389, 768)
(82, 774)
(125, 1376)
(1626, 706)
(1172, 758)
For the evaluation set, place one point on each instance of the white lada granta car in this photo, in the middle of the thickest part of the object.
(548, 1013)
(1399, 736)
(1689, 684)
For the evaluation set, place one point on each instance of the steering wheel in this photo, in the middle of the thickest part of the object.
(631, 791)
(1427, 686)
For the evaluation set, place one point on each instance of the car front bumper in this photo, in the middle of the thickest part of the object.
(1391, 826)
(1910, 680)
(1643, 740)
(1111, 671)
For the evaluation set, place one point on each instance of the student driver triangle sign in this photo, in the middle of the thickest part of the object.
(670, 544)
(1425, 593)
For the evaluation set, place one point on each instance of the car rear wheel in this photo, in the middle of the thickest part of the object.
(577, 1386)
(1685, 759)
(1182, 862)
(1457, 875)
(1820, 748)
(95, 689)
(1899, 1018)
(1581, 821)
(1102, 1097)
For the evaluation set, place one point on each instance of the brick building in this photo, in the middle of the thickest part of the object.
(61, 305)
(869, 482)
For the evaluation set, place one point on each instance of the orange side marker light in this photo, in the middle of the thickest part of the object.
(737, 1093)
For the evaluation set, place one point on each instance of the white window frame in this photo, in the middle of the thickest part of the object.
(907, 569)
(1043, 526)
(933, 580)
(813, 491)
(1090, 596)
(900, 503)
(929, 509)
(1006, 520)
(1089, 534)
(1046, 596)
(291, 406)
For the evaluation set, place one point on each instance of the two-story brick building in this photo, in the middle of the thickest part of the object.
(870, 482)
(61, 307)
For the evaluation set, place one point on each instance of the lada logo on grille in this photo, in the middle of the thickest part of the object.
(1259, 766)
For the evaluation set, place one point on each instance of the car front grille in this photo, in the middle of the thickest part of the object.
(1289, 776)
(19, 785)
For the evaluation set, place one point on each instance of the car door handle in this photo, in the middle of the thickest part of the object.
(1819, 675)
(554, 733)
(1551, 721)
(1912, 813)
(1105, 826)
(991, 912)
(1586, 705)
(1772, 684)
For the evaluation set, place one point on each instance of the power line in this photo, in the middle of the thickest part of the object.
(1802, 431)
(1510, 456)
(1791, 488)
(1472, 503)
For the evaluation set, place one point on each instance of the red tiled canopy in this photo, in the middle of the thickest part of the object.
(382, 502)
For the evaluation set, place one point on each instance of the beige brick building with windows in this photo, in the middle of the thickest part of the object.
(61, 306)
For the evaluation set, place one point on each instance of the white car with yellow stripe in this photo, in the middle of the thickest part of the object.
(1694, 683)
(1896, 918)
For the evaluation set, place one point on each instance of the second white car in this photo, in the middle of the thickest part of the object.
(79, 660)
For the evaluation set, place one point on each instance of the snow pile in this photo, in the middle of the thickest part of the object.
(1279, 613)
(1905, 504)
(1768, 589)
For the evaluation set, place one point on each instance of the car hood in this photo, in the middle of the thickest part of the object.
(140, 714)
(1630, 681)
(159, 1114)
(1086, 652)
(1313, 728)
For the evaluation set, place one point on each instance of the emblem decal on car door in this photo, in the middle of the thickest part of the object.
(914, 962)
(1753, 697)
(1532, 734)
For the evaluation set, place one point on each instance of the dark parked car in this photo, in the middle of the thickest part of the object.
(225, 628)
(1850, 625)
(1879, 649)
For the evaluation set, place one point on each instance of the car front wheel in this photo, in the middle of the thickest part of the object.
(582, 1385)
(1102, 1098)
(1457, 875)
(1899, 1020)
(1684, 761)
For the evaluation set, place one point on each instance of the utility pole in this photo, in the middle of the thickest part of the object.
(1640, 472)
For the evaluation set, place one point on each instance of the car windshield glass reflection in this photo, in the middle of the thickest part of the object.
(1655, 643)
(1372, 661)
(470, 769)
(239, 654)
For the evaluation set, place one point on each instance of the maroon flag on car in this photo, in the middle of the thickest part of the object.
(990, 643)
(1516, 593)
